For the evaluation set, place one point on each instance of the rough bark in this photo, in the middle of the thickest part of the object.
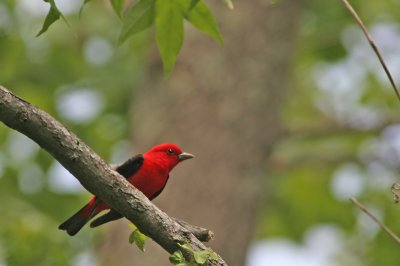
(222, 104)
(96, 175)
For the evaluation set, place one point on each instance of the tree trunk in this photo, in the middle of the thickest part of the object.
(222, 104)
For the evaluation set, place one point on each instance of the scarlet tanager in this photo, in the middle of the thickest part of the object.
(148, 172)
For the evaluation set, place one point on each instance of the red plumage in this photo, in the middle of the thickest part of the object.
(148, 172)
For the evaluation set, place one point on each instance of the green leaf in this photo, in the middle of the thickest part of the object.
(186, 246)
(169, 31)
(117, 5)
(213, 255)
(177, 257)
(201, 256)
(133, 227)
(200, 16)
(193, 3)
(137, 237)
(228, 3)
(53, 15)
(138, 18)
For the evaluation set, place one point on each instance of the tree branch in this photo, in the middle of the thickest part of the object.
(99, 178)
(373, 45)
(376, 220)
(202, 234)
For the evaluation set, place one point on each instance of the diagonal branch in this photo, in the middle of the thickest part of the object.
(98, 177)
(376, 220)
(373, 45)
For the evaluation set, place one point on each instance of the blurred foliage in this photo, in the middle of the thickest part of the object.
(42, 70)
(167, 15)
(320, 141)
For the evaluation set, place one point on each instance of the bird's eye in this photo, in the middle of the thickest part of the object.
(170, 151)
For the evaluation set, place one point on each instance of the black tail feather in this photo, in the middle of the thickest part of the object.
(75, 222)
(108, 217)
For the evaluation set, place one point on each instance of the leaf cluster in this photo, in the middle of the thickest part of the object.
(200, 257)
(137, 237)
(168, 16)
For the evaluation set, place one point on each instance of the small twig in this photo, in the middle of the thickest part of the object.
(373, 45)
(382, 225)
(202, 234)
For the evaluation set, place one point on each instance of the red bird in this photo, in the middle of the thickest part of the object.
(148, 172)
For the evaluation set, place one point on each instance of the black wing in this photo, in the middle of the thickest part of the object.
(112, 215)
(126, 169)
(131, 166)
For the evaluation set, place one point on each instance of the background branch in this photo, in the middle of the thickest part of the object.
(97, 176)
(388, 74)
(376, 220)
(373, 45)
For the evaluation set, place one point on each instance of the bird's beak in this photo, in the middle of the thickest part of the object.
(184, 156)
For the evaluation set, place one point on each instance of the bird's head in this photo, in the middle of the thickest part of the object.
(168, 154)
